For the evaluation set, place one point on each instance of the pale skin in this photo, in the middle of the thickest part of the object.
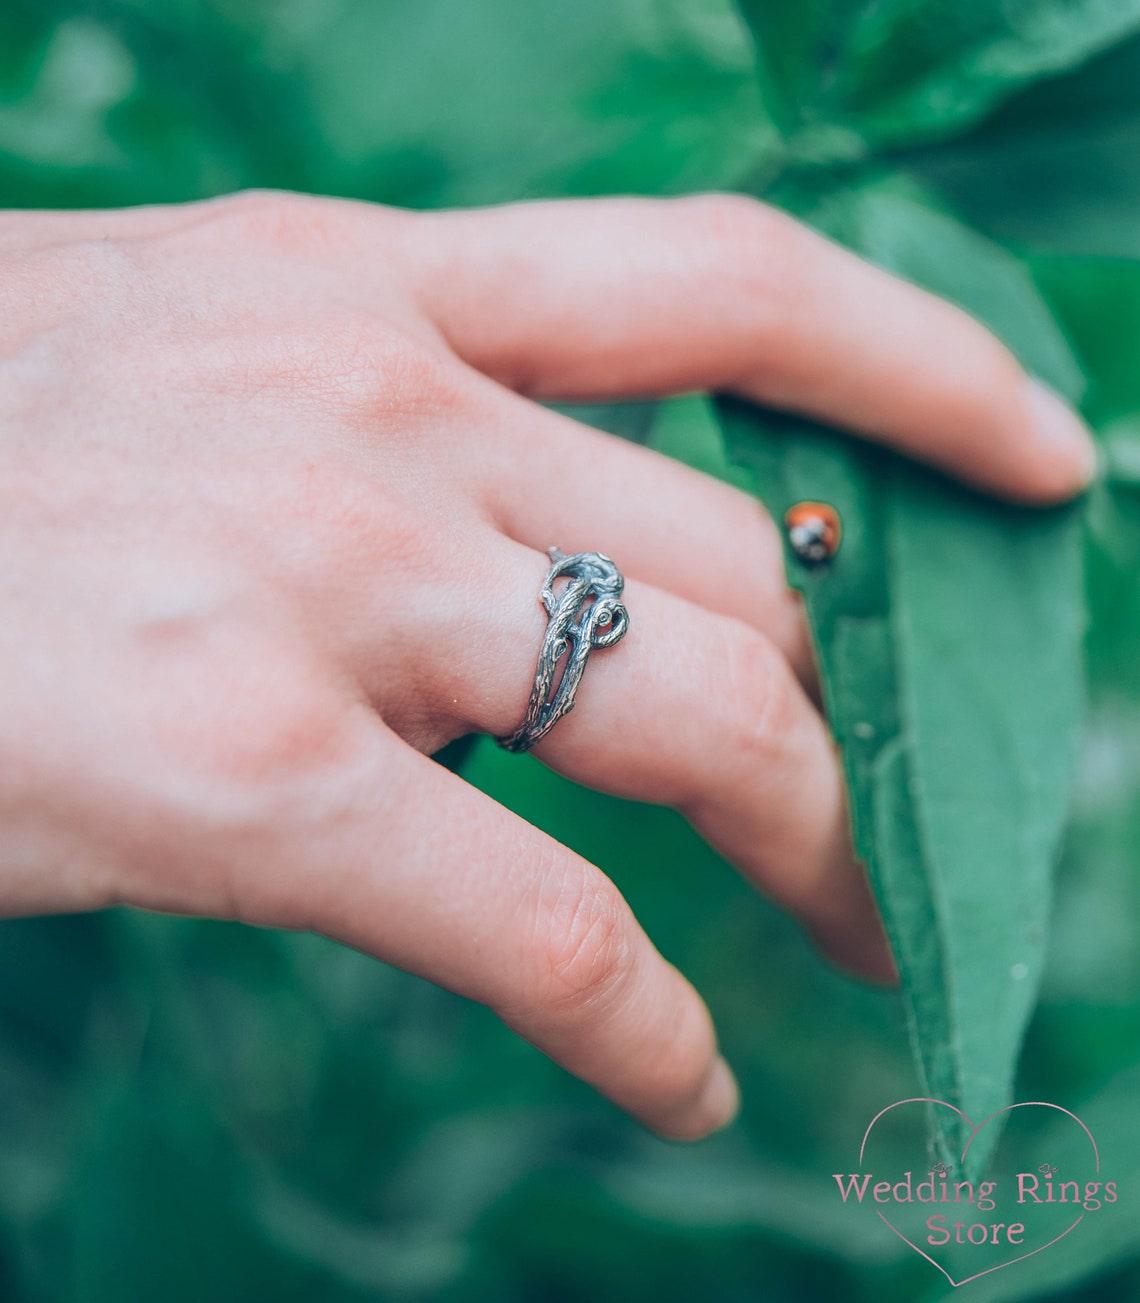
(274, 505)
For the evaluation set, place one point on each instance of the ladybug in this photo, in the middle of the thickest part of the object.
(814, 530)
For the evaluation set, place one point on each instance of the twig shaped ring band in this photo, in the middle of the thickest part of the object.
(587, 613)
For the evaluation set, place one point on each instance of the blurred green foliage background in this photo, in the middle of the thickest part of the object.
(196, 1110)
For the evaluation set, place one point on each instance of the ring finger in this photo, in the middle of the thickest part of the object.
(694, 710)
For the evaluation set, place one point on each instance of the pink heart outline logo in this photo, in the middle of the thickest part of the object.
(1031, 1103)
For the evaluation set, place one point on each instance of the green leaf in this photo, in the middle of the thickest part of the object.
(530, 100)
(1058, 168)
(1098, 300)
(687, 429)
(1108, 1235)
(416, 102)
(948, 631)
(906, 70)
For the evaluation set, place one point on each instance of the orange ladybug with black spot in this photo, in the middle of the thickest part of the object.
(814, 531)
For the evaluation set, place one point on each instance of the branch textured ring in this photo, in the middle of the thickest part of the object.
(587, 613)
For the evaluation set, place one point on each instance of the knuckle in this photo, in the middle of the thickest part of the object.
(753, 253)
(724, 213)
(265, 725)
(352, 525)
(358, 368)
(585, 946)
(292, 224)
(255, 767)
(732, 225)
(372, 365)
(353, 536)
(275, 220)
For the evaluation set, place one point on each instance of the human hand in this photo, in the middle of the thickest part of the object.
(273, 512)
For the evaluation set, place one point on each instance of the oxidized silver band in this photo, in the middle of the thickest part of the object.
(585, 615)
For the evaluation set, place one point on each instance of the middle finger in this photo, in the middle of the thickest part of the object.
(674, 527)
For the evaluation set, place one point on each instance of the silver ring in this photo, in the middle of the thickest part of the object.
(586, 614)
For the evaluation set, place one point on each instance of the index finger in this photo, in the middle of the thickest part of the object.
(624, 297)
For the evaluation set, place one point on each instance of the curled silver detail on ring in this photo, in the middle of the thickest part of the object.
(587, 613)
